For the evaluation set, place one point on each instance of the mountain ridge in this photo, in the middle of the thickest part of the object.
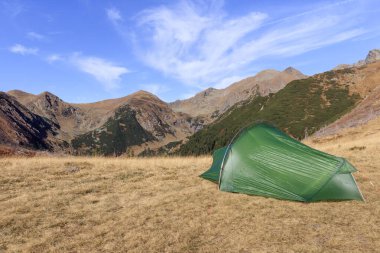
(151, 115)
(303, 107)
(142, 124)
(80, 124)
(210, 103)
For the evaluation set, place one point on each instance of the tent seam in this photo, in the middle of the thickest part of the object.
(258, 122)
(243, 129)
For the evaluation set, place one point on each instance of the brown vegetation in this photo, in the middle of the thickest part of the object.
(78, 204)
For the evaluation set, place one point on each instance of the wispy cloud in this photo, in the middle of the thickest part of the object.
(54, 57)
(12, 8)
(35, 36)
(20, 49)
(114, 15)
(106, 72)
(201, 45)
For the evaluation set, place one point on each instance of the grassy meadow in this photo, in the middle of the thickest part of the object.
(80, 204)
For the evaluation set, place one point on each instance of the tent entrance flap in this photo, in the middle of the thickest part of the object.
(213, 172)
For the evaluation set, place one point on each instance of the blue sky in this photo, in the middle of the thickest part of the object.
(84, 51)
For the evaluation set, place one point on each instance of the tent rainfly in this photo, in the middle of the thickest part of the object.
(262, 160)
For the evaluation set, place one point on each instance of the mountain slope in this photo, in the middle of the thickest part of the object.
(21, 127)
(72, 118)
(368, 86)
(78, 123)
(115, 136)
(143, 119)
(300, 109)
(143, 124)
(91, 127)
(213, 102)
(322, 104)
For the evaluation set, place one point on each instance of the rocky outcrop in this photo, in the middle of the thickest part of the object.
(372, 56)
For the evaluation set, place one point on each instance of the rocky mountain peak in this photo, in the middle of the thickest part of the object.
(49, 100)
(291, 70)
(141, 98)
(142, 93)
(47, 94)
(372, 56)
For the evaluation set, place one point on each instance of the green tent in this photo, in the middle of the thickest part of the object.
(262, 160)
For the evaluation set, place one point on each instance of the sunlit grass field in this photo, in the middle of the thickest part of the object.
(80, 204)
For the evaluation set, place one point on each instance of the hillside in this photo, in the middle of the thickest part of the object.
(322, 104)
(80, 124)
(73, 119)
(119, 132)
(213, 102)
(21, 127)
(144, 119)
(368, 86)
(300, 109)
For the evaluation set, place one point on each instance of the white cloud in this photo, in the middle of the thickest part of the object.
(54, 57)
(35, 36)
(12, 8)
(106, 72)
(114, 15)
(20, 49)
(199, 44)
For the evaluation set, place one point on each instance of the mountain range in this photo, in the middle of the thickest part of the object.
(142, 124)
(211, 102)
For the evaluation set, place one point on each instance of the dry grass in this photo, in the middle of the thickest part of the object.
(161, 205)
